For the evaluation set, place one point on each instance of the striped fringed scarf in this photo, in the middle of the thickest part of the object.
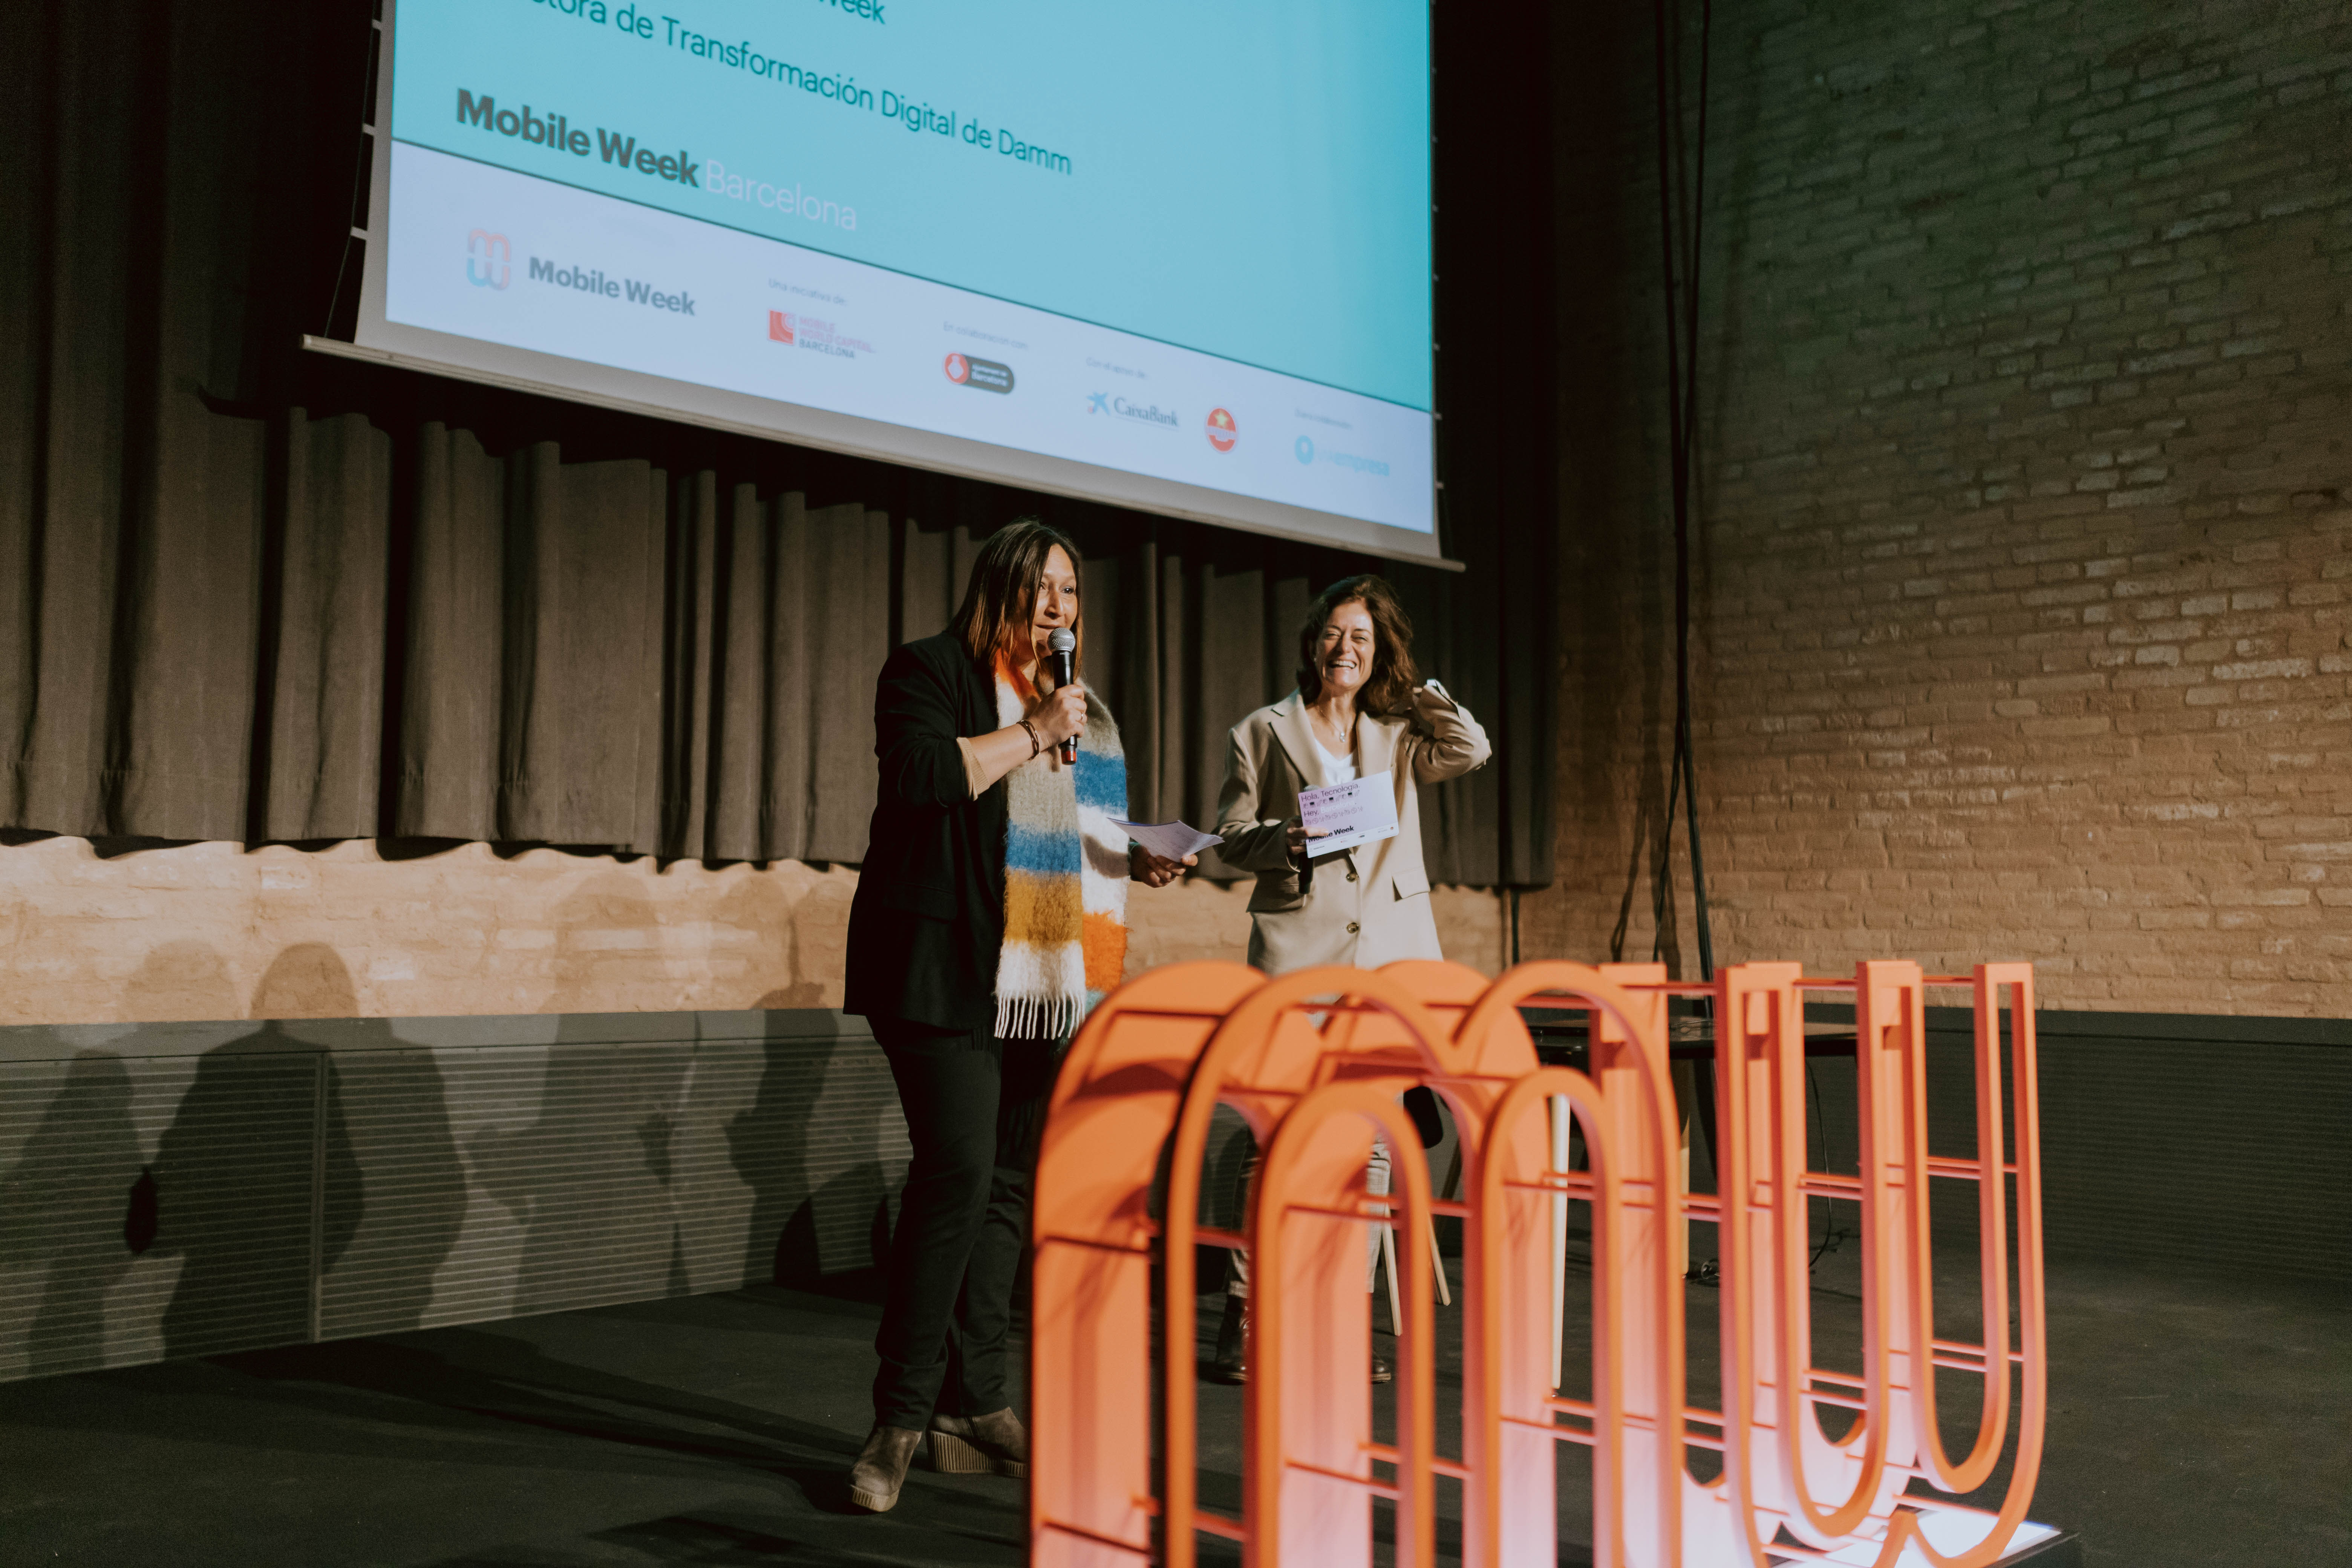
(1065, 877)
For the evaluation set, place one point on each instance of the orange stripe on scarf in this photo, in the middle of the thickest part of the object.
(1104, 938)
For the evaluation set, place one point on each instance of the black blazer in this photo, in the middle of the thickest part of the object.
(928, 919)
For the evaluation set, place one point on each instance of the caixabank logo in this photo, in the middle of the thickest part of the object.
(489, 259)
(1223, 431)
(1120, 407)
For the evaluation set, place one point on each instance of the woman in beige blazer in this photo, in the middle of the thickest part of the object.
(1359, 711)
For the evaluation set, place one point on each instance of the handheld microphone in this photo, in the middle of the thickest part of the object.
(1061, 644)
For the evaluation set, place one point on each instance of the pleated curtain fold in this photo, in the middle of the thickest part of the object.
(593, 653)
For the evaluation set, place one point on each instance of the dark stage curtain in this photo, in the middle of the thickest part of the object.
(252, 593)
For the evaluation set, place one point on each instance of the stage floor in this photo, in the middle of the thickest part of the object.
(2193, 1422)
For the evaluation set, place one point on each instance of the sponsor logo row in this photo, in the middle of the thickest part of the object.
(489, 264)
(989, 375)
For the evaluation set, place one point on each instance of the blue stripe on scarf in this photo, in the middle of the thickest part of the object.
(1045, 853)
(1102, 782)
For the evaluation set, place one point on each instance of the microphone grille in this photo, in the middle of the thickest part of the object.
(1061, 639)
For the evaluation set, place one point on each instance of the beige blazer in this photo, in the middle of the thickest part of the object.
(1364, 906)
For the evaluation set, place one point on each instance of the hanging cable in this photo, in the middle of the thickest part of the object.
(1680, 264)
(1679, 287)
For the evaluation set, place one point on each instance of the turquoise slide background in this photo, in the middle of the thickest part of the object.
(1248, 180)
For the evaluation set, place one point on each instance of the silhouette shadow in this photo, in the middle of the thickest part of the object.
(591, 1179)
(396, 1121)
(813, 1227)
(808, 1229)
(62, 1205)
(260, 1129)
(254, 1187)
(261, 1182)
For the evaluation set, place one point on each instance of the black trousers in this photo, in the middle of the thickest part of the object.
(974, 1107)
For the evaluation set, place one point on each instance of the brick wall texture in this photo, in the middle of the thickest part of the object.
(215, 931)
(2025, 497)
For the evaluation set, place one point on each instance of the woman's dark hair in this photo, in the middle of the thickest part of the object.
(1389, 690)
(1001, 605)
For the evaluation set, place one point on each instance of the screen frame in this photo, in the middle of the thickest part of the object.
(660, 398)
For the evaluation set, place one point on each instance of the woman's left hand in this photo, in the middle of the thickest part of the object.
(1155, 870)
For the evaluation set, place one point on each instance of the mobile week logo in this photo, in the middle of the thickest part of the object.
(489, 259)
(1223, 432)
(557, 133)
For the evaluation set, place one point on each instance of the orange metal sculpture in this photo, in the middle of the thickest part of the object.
(1314, 1061)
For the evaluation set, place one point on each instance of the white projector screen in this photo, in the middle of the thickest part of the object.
(1174, 258)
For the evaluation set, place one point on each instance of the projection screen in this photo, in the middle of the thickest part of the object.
(1175, 257)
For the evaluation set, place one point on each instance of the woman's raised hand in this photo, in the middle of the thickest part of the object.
(1061, 714)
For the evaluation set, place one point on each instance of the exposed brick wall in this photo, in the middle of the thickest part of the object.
(2025, 476)
(211, 931)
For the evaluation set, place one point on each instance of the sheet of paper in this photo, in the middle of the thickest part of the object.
(1169, 840)
(1342, 816)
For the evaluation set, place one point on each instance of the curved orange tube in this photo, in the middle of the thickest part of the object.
(1313, 1060)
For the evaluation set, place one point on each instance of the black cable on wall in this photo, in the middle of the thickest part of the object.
(1681, 275)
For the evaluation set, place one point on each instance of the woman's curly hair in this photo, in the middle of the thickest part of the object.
(1388, 690)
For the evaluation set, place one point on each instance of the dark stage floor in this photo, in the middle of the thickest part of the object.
(2193, 1423)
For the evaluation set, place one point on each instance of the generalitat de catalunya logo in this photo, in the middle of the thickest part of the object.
(980, 374)
(489, 259)
(1223, 431)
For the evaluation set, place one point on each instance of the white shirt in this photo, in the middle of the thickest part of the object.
(1337, 770)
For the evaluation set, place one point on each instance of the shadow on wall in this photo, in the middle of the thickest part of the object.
(61, 1205)
(799, 942)
(816, 1219)
(394, 1114)
(259, 1184)
(820, 947)
(254, 1186)
(298, 1192)
(591, 1181)
(813, 1218)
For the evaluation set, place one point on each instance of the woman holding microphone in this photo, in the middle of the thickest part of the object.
(1360, 711)
(990, 915)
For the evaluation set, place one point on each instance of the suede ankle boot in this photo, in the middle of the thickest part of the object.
(881, 1467)
(993, 1444)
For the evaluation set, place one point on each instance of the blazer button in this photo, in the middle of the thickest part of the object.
(1351, 876)
(1351, 928)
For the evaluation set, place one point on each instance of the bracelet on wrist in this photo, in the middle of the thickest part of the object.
(1036, 743)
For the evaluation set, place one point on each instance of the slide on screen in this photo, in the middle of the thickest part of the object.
(1175, 257)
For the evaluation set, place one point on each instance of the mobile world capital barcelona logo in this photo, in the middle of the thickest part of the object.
(1223, 431)
(798, 330)
(489, 259)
